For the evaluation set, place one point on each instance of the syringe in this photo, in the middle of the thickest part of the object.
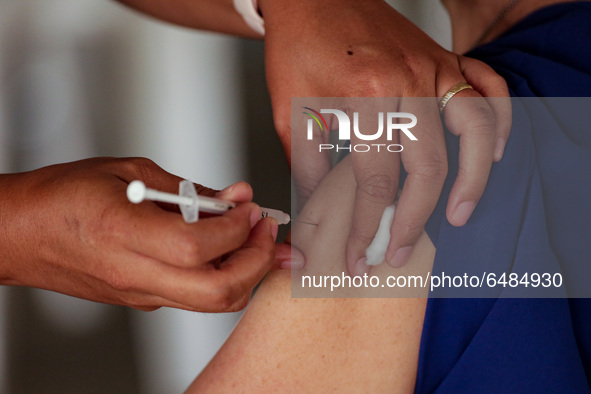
(191, 203)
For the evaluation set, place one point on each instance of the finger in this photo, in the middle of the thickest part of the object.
(255, 258)
(210, 289)
(147, 229)
(377, 175)
(472, 119)
(245, 268)
(425, 161)
(494, 88)
(156, 178)
(150, 303)
(152, 285)
(239, 192)
(151, 174)
(288, 257)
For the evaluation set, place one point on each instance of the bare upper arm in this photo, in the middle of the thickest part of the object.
(321, 344)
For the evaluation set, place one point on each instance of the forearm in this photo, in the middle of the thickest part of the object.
(212, 15)
(70, 228)
(347, 17)
(4, 222)
(11, 223)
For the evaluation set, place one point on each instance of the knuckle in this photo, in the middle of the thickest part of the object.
(189, 250)
(223, 298)
(497, 79)
(303, 193)
(240, 305)
(474, 177)
(119, 281)
(431, 171)
(419, 71)
(412, 66)
(407, 232)
(464, 173)
(362, 235)
(136, 168)
(375, 75)
(139, 165)
(380, 187)
(370, 82)
(305, 184)
(482, 120)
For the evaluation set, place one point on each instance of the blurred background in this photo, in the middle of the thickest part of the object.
(90, 78)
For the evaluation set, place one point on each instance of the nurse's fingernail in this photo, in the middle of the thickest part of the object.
(361, 267)
(401, 256)
(499, 149)
(285, 265)
(463, 213)
(255, 216)
(295, 263)
(225, 191)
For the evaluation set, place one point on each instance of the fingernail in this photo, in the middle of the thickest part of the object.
(225, 191)
(286, 265)
(401, 256)
(361, 267)
(499, 149)
(255, 216)
(274, 228)
(295, 263)
(463, 213)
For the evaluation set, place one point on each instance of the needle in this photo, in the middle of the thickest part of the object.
(301, 221)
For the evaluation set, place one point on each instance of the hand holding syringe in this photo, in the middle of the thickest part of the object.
(191, 203)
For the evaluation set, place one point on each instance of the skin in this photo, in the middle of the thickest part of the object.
(324, 344)
(286, 344)
(390, 57)
(69, 228)
(367, 49)
(96, 255)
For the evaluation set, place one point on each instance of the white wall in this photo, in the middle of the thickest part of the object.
(429, 15)
(186, 116)
(180, 108)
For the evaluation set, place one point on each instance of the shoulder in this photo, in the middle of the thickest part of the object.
(546, 54)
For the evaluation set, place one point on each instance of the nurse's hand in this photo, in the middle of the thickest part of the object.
(70, 228)
(352, 48)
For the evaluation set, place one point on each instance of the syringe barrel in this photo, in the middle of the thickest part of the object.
(281, 217)
(215, 205)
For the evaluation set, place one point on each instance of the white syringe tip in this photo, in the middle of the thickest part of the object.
(280, 216)
(136, 192)
(284, 219)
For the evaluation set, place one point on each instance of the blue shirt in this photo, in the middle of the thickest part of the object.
(535, 212)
